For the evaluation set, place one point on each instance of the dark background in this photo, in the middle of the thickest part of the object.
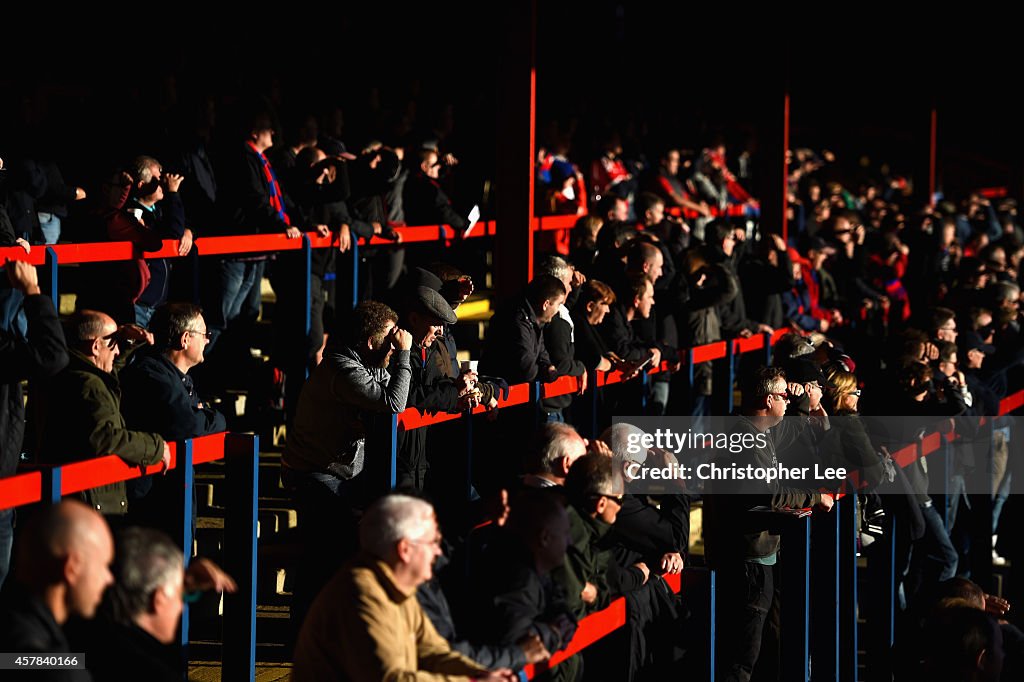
(101, 83)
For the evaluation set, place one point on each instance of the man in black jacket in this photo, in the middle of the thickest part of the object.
(515, 343)
(42, 353)
(159, 397)
(741, 545)
(62, 571)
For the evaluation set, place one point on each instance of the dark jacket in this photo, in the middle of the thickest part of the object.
(587, 560)
(434, 603)
(514, 348)
(426, 203)
(160, 399)
(731, 531)
(647, 532)
(430, 391)
(588, 347)
(112, 648)
(335, 407)
(559, 340)
(41, 355)
(27, 626)
(243, 196)
(732, 314)
(619, 337)
(80, 418)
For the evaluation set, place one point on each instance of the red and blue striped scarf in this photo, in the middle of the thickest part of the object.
(275, 189)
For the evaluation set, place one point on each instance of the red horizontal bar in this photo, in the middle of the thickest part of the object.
(560, 386)
(249, 243)
(749, 344)
(205, 448)
(98, 471)
(1011, 403)
(905, 456)
(21, 489)
(36, 257)
(554, 222)
(411, 418)
(711, 351)
(594, 627)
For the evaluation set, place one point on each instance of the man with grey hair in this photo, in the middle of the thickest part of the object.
(139, 616)
(555, 448)
(382, 632)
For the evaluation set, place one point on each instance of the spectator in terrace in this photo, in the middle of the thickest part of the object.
(964, 645)
(559, 335)
(160, 397)
(514, 347)
(583, 245)
(39, 354)
(424, 201)
(385, 632)
(62, 570)
(744, 549)
(365, 371)
(517, 596)
(731, 314)
(151, 215)
(636, 300)
(252, 201)
(79, 410)
(137, 626)
(668, 184)
(555, 449)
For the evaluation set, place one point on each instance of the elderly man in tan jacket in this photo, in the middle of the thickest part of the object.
(367, 625)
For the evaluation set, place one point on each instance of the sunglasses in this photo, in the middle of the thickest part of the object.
(785, 395)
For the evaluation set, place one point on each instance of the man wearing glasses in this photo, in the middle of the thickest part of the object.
(159, 397)
(79, 411)
(741, 545)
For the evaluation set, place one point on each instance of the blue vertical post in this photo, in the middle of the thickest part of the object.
(825, 619)
(393, 452)
(242, 469)
(645, 382)
(51, 262)
(947, 487)
(307, 259)
(594, 402)
(689, 367)
(767, 349)
(183, 462)
(730, 358)
(796, 614)
(712, 624)
(355, 271)
(848, 597)
(535, 392)
(52, 485)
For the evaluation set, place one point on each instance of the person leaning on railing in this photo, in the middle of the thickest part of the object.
(79, 410)
(39, 353)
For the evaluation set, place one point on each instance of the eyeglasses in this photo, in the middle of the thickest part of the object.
(617, 499)
(436, 542)
(785, 395)
(111, 339)
(948, 329)
(855, 392)
(207, 335)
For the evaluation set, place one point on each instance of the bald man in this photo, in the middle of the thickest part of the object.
(62, 569)
(80, 408)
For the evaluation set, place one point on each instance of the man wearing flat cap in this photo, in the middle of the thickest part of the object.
(430, 390)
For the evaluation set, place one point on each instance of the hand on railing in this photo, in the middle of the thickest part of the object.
(672, 562)
(827, 502)
(23, 276)
(166, 458)
(293, 233)
(185, 244)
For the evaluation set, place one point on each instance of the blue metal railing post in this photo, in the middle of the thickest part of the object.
(645, 384)
(242, 468)
(52, 263)
(712, 624)
(183, 462)
(52, 485)
(355, 271)
(797, 587)
(825, 618)
(848, 597)
(730, 358)
(393, 452)
(767, 349)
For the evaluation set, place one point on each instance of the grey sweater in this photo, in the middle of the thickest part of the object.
(329, 431)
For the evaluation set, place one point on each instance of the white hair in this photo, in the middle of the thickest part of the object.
(392, 518)
(617, 438)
